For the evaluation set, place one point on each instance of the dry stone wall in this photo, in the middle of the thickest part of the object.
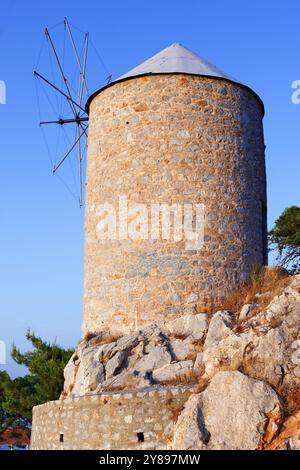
(173, 139)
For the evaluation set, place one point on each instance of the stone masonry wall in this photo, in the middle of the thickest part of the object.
(172, 139)
(109, 421)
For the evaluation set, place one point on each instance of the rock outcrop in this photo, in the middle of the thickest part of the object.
(244, 367)
(230, 414)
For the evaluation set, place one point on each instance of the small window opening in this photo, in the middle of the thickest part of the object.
(61, 437)
(140, 436)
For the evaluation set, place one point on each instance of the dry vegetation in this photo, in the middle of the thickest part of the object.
(263, 286)
(189, 378)
(96, 339)
(181, 336)
(291, 397)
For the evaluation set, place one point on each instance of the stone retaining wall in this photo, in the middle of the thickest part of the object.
(125, 420)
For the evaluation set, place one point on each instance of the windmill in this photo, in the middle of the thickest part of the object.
(68, 84)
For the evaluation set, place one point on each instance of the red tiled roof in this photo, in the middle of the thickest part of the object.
(16, 435)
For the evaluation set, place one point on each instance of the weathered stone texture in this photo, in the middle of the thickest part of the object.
(230, 414)
(243, 377)
(172, 139)
(109, 420)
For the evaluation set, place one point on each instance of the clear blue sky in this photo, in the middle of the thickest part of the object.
(41, 237)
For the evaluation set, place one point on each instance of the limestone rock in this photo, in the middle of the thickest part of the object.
(229, 415)
(106, 351)
(125, 380)
(295, 284)
(278, 308)
(271, 356)
(193, 298)
(129, 341)
(295, 344)
(199, 366)
(219, 328)
(173, 372)
(70, 374)
(125, 343)
(297, 372)
(223, 349)
(265, 356)
(225, 355)
(90, 373)
(234, 410)
(183, 348)
(115, 364)
(246, 311)
(236, 404)
(93, 377)
(154, 337)
(194, 325)
(265, 346)
(157, 357)
(189, 433)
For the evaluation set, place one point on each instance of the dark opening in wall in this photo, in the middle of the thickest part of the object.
(61, 437)
(140, 436)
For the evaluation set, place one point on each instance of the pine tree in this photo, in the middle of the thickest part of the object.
(44, 381)
(286, 237)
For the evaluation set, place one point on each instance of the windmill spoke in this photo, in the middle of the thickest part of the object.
(80, 170)
(68, 153)
(61, 72)
(60, 91)
(83, 80)
(66, 121)
(82, 69)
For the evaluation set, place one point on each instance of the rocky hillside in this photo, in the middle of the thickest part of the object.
(244, 368)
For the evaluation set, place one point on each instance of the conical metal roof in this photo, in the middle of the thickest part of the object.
(177, 59)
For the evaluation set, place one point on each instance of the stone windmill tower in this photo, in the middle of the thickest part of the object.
(172, 132)
(175, 215)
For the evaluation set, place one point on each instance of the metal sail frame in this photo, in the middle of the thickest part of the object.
(80, 116)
